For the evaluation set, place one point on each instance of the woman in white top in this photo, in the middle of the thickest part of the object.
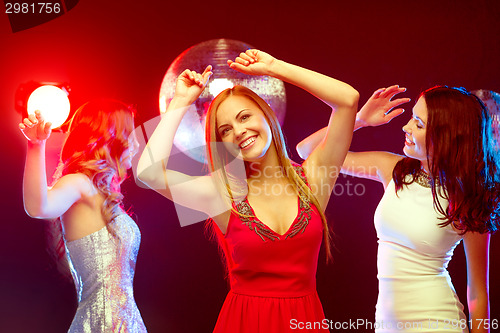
(443, 191)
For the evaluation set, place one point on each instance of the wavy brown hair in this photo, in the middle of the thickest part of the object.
(463, 166)
(218, 159)
(97, 138)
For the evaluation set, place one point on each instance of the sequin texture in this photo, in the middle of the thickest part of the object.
(103, 268)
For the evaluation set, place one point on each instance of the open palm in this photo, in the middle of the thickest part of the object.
(379, 109)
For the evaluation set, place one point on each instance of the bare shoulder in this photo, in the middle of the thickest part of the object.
(387, 163)
(375, 165)
(388, 160)
(78, 182)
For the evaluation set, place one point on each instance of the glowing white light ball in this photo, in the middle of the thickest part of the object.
(52, 102)
(216, 86)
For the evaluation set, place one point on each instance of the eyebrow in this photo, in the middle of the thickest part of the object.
(418, 118)
(218, 128)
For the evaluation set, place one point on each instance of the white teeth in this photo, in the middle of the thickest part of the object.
(247, 142)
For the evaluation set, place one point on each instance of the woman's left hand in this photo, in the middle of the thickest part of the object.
(253, 62)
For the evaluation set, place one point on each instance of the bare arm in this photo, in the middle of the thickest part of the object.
(477, 252)
(198, 193)
(338, 95)
(374, 165)
(341, 97)
(379, 109)
(188, 88)
(39, 200)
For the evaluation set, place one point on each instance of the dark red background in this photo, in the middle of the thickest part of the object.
(123, 48)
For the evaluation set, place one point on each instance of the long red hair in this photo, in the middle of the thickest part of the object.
(462, 164)
(97, 138)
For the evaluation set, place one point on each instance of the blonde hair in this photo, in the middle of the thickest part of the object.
(218, 158)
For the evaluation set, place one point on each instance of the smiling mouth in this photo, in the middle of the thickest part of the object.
(408, 142)
(247, 142)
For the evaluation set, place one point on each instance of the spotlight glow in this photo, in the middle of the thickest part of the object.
(218, 85)
(52, 102)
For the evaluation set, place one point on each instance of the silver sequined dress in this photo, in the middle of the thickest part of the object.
(103, 269)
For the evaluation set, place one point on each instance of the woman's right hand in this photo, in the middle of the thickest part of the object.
(379, 109)
(35, 129)
(191, 84)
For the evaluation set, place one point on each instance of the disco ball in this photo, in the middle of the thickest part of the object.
(491, 100)
(190, 136)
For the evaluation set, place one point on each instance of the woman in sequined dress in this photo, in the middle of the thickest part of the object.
(444, 191)
(100, 241)
(269, 218)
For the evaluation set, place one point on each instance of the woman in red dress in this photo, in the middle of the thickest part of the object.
(270, 221)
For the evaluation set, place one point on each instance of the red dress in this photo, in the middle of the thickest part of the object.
(272, 276)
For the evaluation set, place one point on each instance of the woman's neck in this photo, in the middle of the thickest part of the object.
(267, 168)
(424, 165)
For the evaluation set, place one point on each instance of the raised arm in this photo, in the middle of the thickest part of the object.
(333, 92)
(341, 97)
(39, 200)
(188, 88)
(378, 110)
(477, 248)
(197, 193)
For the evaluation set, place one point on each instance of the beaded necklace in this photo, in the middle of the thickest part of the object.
(423, 179)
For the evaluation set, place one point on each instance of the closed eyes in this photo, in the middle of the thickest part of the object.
(420, 123)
